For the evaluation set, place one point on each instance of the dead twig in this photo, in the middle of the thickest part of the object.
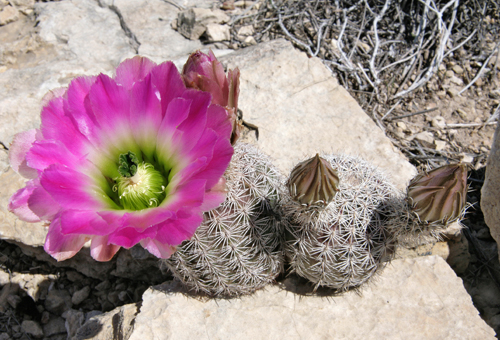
(479, 74)
(412, 114)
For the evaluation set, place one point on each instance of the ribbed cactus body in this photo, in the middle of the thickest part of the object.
(238, 248)
(344, 243)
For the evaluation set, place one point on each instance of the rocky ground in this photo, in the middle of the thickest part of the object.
(40, 299)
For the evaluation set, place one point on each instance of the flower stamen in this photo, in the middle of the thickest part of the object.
(144, 189)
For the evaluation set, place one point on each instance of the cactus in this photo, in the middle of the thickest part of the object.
(434, 200)
(339, 245)
(238, 247)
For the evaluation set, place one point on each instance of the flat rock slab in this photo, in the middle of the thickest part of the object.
(150, 21)
(417, 298)
(82, 39)
(490, 200)
(301, 109)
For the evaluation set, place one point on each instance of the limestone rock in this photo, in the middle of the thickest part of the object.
(419, 298)
(8, 14)
(490, 200)
(150, 21)
(425, 137)
(84, 38)
(35, 285)
(440, 249)
(4, 160)
(116, 324)
(301, 109)
(25, 6)
(82, 28)
(217, 32)
(193, 22)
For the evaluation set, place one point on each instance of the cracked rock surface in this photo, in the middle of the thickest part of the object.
(413, 299)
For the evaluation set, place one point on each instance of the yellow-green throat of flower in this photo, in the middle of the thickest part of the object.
(140, 185)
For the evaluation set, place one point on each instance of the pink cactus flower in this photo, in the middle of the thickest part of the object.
(119, 161)
(204, 72)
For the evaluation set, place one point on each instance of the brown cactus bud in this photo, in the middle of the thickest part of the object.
(313, 182)
(440, 194)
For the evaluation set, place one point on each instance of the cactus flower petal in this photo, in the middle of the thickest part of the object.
(119, 161)
(439, 194)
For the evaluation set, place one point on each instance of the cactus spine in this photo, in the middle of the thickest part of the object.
(238, 248)
(341, 245)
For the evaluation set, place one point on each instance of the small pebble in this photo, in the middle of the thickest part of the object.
(250, 41)
(31, 327)
(438, 122)
(398, 132)
(441, 94)
(104, 285)
(401, 125)
(80, 295)
(425, 137)
(123, 296)
(58, 301)
(456, 81)
(449, 73)
(113, 297)
(495, 94)
(453, 92)
(439, 145)
(45, 317)
(462, 113)
(467, 158)
(54, 326)
(457, 69)
(121, 286)
(13, 300)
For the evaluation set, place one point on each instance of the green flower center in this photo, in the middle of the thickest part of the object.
(140, 186)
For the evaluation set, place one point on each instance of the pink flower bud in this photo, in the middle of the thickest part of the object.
(204, 72)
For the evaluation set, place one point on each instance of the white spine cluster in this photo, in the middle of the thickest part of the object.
(410, 231)
(238, 248)
(343, 244)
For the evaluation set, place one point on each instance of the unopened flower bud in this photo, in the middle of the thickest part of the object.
(439, 194)
(313, 182)
(204, 72)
